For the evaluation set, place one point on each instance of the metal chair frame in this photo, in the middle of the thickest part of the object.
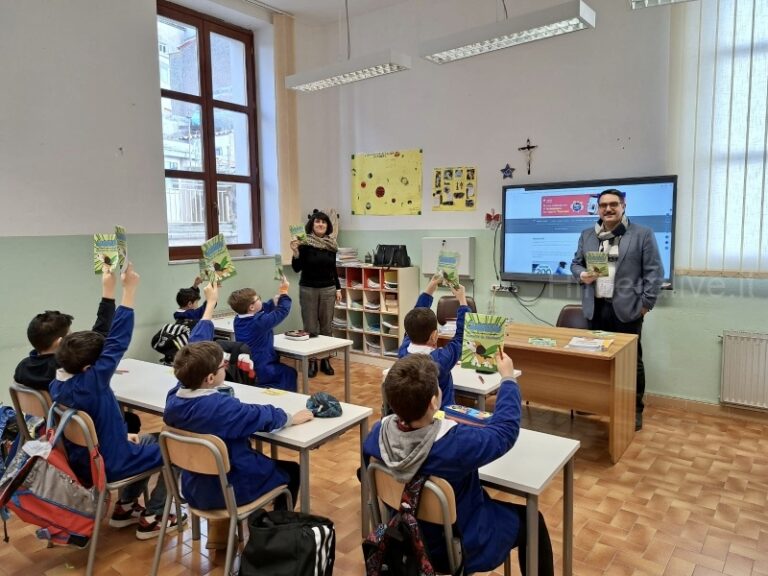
(28, 401)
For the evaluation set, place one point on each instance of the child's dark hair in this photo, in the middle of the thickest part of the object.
(79, 349)
(410, 385)
(194, 362)
(187, 295)
(241, 299)
(46, 328)
(419, 324)
(317, 215)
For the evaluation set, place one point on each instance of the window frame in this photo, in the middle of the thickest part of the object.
(206, 25)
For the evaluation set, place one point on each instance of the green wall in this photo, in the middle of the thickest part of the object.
(54, 273)
(681, 337)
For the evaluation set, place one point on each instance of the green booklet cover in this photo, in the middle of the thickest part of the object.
(218, 263)
(279, 273)
(448, 267)
(204, 273)
(597, 263)
(298, 232)
(122, 247)
(104, 252)
(483, 336)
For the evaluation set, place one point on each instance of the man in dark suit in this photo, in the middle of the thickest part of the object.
(619, 301)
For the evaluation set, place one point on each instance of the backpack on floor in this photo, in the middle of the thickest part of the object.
(40, 487)
(170, 339)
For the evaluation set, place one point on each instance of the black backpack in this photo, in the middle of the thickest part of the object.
(397, 548)
(170, 339)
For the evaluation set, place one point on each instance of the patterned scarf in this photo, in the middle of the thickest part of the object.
(620, 230)
(322, 243)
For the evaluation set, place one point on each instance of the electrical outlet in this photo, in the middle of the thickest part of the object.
(498, 288)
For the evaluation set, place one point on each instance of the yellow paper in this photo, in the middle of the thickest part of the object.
(387, 183)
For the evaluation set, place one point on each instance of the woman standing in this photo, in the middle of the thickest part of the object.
(319, 288)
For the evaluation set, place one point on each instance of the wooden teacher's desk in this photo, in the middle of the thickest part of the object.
(602, 383)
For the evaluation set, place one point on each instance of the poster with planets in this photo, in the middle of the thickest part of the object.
(455, 189)
(387, 183)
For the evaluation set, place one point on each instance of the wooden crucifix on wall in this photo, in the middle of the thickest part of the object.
(528, 150)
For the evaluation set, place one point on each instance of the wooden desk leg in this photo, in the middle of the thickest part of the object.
(304, 375)
(346, 374)
(532, 524)
(304, 474)
(481, 402)
(365, 519)
(568, 518)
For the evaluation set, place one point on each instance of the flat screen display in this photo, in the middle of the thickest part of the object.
(541, 223)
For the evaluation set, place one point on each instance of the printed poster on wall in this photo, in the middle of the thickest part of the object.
(455, 189)
(387, 183)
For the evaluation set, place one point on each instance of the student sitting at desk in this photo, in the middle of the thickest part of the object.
(195, 405)
(88, 361)
(253, 325)
(45, 333)
(187, 299)
(412, 441)
(421, 335)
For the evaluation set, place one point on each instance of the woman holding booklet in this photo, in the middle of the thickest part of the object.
(314, 255)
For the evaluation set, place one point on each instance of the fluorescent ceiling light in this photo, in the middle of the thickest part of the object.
(567, 17)
(635, 4)
(352, 70)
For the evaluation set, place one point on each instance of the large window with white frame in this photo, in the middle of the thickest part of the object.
(207, 85)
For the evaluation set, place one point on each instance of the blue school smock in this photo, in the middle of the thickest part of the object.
(446, 356)
(489, 528)
(194, 314)
(256, 331)
(89, 391)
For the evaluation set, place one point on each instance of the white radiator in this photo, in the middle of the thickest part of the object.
(745, 369)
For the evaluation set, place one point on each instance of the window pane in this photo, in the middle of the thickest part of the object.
(185, 207)
(177, 50)
(228, 65)
(182, 135)
(231, 142)
(235, 212)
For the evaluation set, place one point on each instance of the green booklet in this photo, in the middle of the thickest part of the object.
(597, 263)
(279, 273)
(448, 267)
(483, 336)
(122, 247)
(547, 342)
(105, 256)
(204, 272)
(298, 231)
(218, 263)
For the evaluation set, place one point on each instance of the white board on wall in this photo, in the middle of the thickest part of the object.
(465, 246)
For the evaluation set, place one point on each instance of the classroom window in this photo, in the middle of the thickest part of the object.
(207, 87)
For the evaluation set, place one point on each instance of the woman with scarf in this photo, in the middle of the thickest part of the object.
(319, 288)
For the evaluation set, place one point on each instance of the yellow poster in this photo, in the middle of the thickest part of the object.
(386, 183)
(455, 189)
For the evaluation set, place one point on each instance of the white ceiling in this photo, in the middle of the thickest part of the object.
(327, 11)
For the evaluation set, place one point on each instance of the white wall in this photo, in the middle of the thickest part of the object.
(595, 102)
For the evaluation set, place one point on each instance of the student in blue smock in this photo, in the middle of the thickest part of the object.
(412, 441)
(187, 299)
(253, 325)
(196, 406)
(421, 335)
(88, 361)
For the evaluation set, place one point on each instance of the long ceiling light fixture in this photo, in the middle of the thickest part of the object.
(351, 70)
(635, 4)
(567, 17)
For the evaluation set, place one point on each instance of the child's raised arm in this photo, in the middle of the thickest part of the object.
(434, 282)
(211, 292)
(130, 281)
(461, 294)
(108, 283)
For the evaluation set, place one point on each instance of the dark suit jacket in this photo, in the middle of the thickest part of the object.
(639, 272)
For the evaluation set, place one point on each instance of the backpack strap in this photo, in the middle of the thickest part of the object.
(409, 501)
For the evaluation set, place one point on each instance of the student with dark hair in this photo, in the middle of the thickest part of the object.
(196, 406)
(421, 335)
(46, 331)
(88, 361)
(187, 299)
(319, 288)
(412, 441)
(253, 326)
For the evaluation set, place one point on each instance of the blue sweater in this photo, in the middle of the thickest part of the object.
(447, 356)
(490, 528)
(207, 411)
(90, 391)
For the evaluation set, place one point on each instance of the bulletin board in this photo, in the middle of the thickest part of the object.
(387, 183)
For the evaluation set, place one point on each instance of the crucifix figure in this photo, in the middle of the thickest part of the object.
(528, 149)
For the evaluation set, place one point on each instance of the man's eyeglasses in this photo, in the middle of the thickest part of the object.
(224, 364)
(606, 205)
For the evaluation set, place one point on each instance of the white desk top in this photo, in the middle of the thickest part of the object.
(145, 385)
(531, 463)
(468, 380)
(300, 348)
